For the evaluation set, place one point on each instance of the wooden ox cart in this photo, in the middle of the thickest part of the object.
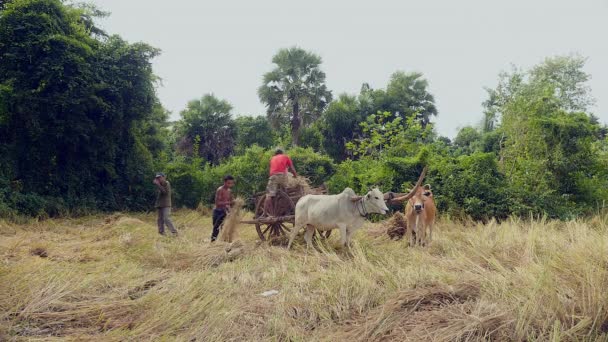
(284, 204)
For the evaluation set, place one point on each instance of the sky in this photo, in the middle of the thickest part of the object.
(225, 46)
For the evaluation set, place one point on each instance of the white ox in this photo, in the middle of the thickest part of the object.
(345, 211)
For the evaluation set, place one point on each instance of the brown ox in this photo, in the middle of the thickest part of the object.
(420, 213)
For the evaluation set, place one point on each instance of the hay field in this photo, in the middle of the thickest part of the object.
(113, 278)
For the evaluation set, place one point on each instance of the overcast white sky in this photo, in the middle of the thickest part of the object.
(225, 46)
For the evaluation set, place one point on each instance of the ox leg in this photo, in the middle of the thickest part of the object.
(411, 229)
(343, 237)
(418, 231)
(310, 230)
(430, 233)
(294, 233)
(349, 234)
(422, 233)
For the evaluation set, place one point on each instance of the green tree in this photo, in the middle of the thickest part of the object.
(468, 140)
(294, 92)
(548, 154)
(253, 130)
(312, 137)
(385, 135)
(406, 95)
(206, 129)
(562, 77)
(566, 77)
(71, 119)
(341, 124)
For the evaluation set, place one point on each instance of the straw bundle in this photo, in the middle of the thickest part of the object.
(302, 182)
(396, 226)
(231, 223)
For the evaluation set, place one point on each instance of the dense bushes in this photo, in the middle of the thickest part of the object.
(193, 185)
(467, 186)
(74, 108)
(471, 186)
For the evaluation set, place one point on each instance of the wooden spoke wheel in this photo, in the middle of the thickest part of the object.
(282, 206)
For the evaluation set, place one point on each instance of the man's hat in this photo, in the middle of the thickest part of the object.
(160, 174)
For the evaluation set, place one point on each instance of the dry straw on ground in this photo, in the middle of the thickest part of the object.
(395, 228)
(120, 281)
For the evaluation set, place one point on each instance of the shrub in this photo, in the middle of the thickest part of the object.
(194, 184)
(471, 186)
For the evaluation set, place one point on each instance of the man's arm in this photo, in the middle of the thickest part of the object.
(162, 188)
(293, 169)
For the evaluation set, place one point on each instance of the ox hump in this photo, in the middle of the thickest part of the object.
(349, 191)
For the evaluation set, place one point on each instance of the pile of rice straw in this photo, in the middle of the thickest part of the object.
(229, 227)
(396, 226)
(302, 182)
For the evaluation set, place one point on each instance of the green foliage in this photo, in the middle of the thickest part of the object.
(405, 103)
(383, 134)
(471, 186)
(253, 130)
(312, 137)
(548, 154)
(340, 125)
(468, 140)
(406, 96)
(71, 121)
(566, 76)
(389, 174)
(360, 175)
(193, 184)
(295, 91)
(186, 182)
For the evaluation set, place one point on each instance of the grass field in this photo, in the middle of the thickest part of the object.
(113, 278)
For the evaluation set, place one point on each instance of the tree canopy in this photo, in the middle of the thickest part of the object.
(70, 118)
(207, 129)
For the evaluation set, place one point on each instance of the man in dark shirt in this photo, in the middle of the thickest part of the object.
(223, 201)
(163, 204)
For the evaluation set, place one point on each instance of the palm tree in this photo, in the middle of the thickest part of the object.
(206, 129)
(294, 92)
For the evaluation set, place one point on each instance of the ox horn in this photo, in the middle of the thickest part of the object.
(355, 198)
(415, 188)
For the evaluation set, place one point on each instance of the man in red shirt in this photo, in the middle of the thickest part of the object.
(280, 164)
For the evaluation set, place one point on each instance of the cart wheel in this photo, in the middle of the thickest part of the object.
(283, 206)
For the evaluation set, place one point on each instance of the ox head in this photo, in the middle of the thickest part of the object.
(372, 202)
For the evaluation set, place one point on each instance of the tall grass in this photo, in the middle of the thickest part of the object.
(114, 278)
